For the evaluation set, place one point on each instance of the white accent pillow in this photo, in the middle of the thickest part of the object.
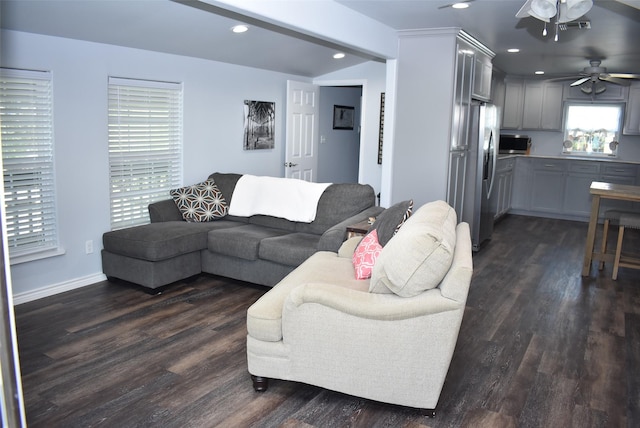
(419, 256)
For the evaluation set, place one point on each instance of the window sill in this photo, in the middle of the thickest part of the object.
(585, 155)
(39, 255)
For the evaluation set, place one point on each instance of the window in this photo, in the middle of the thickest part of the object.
(145, 146)
(592, 129)
(27, 155)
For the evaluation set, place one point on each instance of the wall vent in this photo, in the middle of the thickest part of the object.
(578, 25)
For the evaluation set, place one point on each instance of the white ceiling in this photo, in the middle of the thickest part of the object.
(200, 29)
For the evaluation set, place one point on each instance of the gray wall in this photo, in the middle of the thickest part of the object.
(339, 149)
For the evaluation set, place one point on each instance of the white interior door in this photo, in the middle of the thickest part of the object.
(301, 159)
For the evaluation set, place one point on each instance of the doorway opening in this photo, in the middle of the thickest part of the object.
(339, 148)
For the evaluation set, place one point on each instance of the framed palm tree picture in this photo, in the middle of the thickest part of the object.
(259, 124)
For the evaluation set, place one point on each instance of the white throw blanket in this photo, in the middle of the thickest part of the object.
(289, 198)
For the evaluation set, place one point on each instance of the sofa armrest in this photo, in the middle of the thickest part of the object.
(349, 246)
(370, 305)
(164, 211)
(332, 238)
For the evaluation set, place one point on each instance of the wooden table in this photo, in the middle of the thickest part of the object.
(600, 190)
(358, 229)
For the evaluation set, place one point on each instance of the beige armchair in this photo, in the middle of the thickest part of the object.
(323, 327)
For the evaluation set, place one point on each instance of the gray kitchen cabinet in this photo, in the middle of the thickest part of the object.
(464, 66)
(547, 192)
(513, 104)
(483, 70)
(580, 174)
(559, 188)
(503, 185)
(533, 105)
(632, 112)
(457, 170)
(618, 173)
(521, 190)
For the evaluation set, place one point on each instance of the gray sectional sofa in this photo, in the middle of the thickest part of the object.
(259, 249)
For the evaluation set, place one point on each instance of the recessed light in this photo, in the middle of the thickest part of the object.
(539, 72)
(460, 5)
(513, 50)
(338, 55)
(239, 28)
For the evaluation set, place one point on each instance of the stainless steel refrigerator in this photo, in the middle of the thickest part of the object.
(472, 171)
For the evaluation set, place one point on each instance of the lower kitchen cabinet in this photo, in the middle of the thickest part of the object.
(559, 188)
(503, 185)
(547, 192)
(577, 199)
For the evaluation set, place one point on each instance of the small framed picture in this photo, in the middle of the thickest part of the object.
(343, 117)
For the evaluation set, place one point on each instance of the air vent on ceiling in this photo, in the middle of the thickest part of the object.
(577, 25)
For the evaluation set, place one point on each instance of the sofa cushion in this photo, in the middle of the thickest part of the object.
(159, 241)
(390, 220)
(291, 249)
(200, 202)
(365, 255)
(242, 242)
(419, 255)
(273, 222)
(264, 317)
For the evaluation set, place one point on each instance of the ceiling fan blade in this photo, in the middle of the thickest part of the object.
(580, 81)
(560, 79)
(625, 75)
(616, 80)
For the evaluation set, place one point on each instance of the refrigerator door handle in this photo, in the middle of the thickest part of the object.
(492, 147)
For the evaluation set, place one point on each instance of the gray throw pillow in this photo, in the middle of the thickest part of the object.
(390, 220)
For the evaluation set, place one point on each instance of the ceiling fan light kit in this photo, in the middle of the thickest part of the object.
(563, 10)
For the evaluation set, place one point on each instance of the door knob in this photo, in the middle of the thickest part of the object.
(289, 164)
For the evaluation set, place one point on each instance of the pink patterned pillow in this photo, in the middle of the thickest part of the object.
(366, 254)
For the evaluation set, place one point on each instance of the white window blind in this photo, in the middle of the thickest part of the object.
(26, 120)
(145, 146)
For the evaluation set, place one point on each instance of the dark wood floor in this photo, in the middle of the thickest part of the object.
(539, 346)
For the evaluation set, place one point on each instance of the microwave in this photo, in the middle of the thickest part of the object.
(514, 144)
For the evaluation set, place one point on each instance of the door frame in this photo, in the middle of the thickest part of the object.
(363, 102)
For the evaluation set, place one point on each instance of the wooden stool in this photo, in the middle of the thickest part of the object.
(610, 216)
(627, 220)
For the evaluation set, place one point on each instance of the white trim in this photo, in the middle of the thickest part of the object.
(54, 289)
(363, 118)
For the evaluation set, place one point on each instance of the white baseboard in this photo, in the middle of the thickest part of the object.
(51, 290)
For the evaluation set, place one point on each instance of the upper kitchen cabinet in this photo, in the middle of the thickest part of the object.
(632, 113)
(483, 70)
(532, 105)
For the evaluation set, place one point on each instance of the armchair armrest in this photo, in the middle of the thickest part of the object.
(332, 238)
(370, 305)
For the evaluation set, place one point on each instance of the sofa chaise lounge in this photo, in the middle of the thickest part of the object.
(261, 249)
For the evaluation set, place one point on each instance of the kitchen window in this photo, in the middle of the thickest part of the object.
(145, 146)
(592, 129)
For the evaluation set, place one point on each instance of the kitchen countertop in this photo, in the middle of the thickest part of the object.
(570, 157)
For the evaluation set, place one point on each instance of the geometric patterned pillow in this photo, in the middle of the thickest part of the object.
(365, 255)
(406, 216)
(200, 202)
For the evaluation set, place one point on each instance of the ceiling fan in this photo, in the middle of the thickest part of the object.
(591, 78)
